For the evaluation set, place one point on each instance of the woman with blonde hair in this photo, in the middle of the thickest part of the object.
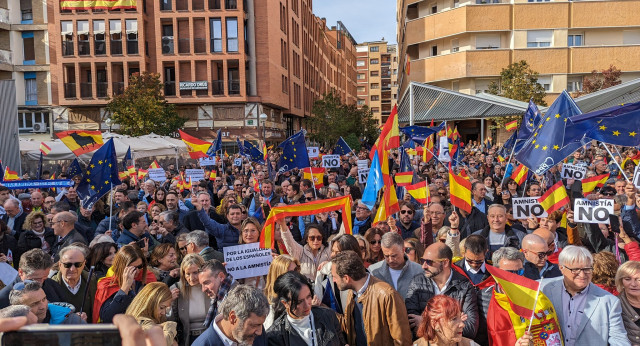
(250, 233)
(123, 281)
(150, 308)
(190, 309)
(280, 265)
(628, 284)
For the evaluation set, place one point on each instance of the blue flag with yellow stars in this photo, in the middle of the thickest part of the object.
(74, 169)
(100, 176)
(419, 133)
(342, 148)
(127, 157)
(294, 153)
(216, 146)
(253, 153)
(530, 121)
(619, 125)
(548, 145)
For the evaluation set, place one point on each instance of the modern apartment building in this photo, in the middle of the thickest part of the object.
(223, 62)
(24, 57)
(377, 76)
(463, 45)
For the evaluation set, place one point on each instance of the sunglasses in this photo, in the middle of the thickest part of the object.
(140, 266)
(406, 212)
(542, 255)
(474, 261)
(517, 272)
(428, 261)
(315, 237)
(75, 264)
(374, 242)
(609, 194)
(184, 248)
(408, 250)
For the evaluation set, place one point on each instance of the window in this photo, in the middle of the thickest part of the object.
(361, 63)
(167, 40)
(539, 38)
(374, 49)
(66, 29)
(285, 84)
(455, 46)
(362, 90)
(231, 4)
(83, 37)
(216, 35)
(631, 36)
(456, 3)
(434, 9)
(375, 98)
(539, 0)
(434, 50)
(27, 119)
(169, 81)
(283, 53)
(374, 61)
(26, 12)
(28, 48)
(546, 82)
(375, 110)
(455, 85)
(361, 102)
(165, 5)
(375, 86)
(490, 41)
(213, 4)
(99, 43)
(574, 40)
(132, 36)
(30, 89)
(361, 76)
(232, 34)
(115, 34)
(574, 84)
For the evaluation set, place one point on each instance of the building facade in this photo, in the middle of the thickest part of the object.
(24, 58)
(223, 63)
(377, 76)
(464, 45)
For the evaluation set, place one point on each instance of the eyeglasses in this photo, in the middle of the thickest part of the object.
(517, 272)
(429, 262)
(474, 261)
(609, 194)
(315, 238)
(542, 255)
(408, 250)
(238, 184)
(435, 213)
(140, 266)
(410, 212)
(75, 264)
(374, 242)
(361, 208)
(576, 271)
(244, 212)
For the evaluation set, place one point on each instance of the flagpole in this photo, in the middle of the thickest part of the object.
(535, 303)
(616, 162)
(524, 189)
(111, 207)
(508, 162)
(436, 158)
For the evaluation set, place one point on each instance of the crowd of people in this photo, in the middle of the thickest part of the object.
(153, 251)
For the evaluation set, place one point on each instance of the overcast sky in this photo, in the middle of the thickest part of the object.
(366, 20)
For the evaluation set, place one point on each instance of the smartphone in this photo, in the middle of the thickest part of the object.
(141, 243)
(78, 334)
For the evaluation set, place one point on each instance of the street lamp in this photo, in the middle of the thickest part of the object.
(263, 119)
(109, 122)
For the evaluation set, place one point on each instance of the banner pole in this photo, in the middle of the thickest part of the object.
(616, 162)
(535, 303)
(508, 162)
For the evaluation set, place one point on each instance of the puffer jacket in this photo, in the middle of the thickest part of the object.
(62, 313)
(460, 288)
(327, 330)
(630, 317)
(308, 262)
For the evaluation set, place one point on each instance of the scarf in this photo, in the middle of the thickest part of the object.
(357, 224)
(108, 286)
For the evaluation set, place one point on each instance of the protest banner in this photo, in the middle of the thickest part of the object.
(570, 171)
(157, 174)
(331, 161)
(589, 211)
(363, 164)
(194, 174)
(526, 207)
(37, 184)
(314, 152)
(247, 260)
(363, 175)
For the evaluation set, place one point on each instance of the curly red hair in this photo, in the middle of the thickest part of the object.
(438, 308)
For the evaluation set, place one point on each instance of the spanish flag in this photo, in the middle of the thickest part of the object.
(512, 125)
(555, 198)
(460, 191)
(10, 175)
(310, 208)
(154, 164)
(520, 174)
(197, 147)
(315, 174)
(123, 175)
(427, 154)
(256, 185)
(131, 170)
(388, 205)
(213, 175)
(97, 4)
(44, 148)
(403, 178)
(142, 173)
(420, 192)
(590, 184)
(81, 141)
(265, 153)
(389, 136)
(515, 300)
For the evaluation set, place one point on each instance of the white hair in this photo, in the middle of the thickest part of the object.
(575, 254)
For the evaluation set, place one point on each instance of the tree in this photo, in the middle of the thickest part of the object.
(330, 119)
(142, 108)
(600, 80)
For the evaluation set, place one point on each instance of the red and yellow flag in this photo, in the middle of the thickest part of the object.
(44, 148)
(154, 164)
(403, 178)
(213, 175)
(326, 205)
(427, 154)
(10, 175)
(256, 185)
(142, 173)
(590, 184)
(520, 174)
(81, 141)
(420, 192)
(389, 204)
(97, 4)
(555, 198)
(514, 302)
(460, 191)
(315, 174)
(197, 147)
(512, 125)
(265, 153)
(123, 175)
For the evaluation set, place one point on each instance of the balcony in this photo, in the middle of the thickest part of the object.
(117, 88)
(234, 87)
(101, 89)
(86, 90)
(470, 63)
(69, 90)
(585, 59)
(5, 56)
(609, 13)
(217, 87)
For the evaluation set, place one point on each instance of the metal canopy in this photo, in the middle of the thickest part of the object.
(627, 92)
(431, 102)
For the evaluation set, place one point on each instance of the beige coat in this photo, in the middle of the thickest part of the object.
(308, 262)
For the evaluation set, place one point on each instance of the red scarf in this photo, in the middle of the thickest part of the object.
(108, 286)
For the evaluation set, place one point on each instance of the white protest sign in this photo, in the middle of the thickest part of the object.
(363, 175)
(313, 152)
(570, 171)
(157, 174)
(526, 207)
(247, 260)
(195, 174)
(7, 273)
(636, 177)
(363, 164)
(237, 162)
(444, 156)
(207, 161)
(597, 211)
(331, 161)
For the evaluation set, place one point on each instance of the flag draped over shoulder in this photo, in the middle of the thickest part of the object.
(460, 191)
(100, 175)
(555, 198)
(196, 147)
(81, 141)
(97, 4)
(512, 306)
(590, 184)
(304, 209)
(294, 153)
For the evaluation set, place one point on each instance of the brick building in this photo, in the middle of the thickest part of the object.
(222, 62)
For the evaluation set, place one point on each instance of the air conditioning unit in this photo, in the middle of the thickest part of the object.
(167, 44)
(39, 128)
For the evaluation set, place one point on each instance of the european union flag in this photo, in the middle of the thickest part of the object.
(100, 175)
(1, 171)
(619, 125)
(241, 148)
(253, 153)
(294, 153)
(216, 146)
(530, 121)
(548, 145)
(342, 148)
(127, 157)
(75, 169)
(419, 133)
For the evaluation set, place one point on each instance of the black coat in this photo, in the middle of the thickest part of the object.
(327, 330)
(17, 224)
(29, 240)
(69, 239)
(191, 222)
(532, 272)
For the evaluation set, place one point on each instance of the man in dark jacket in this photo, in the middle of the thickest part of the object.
(135, 229)
(498, 233)
(63, 226)
(473, 263)
(439, 278)
(226, 234)
(170, 227)
(197, 242)
(405, 222)
(111, 223)
(477, 219)
(536, 251)
(14, 217)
